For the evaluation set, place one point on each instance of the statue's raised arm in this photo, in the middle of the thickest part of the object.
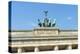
(45, 13)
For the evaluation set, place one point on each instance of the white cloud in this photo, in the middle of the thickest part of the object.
(69, 18)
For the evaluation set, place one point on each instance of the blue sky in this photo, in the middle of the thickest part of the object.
(24, 15)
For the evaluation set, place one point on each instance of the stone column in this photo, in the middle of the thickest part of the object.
(19, 50)
(56, 47)
(36, 49)
(69, 47)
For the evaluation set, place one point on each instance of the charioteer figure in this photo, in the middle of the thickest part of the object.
(47, 22)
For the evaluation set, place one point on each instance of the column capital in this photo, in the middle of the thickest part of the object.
(56, 47)
(36, 49)
(19, 49)
(69, 46)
